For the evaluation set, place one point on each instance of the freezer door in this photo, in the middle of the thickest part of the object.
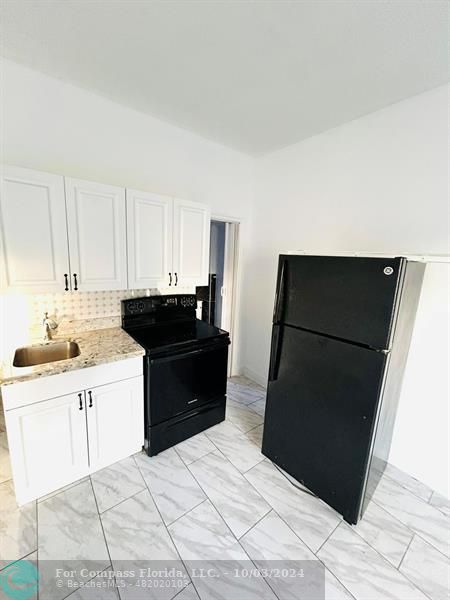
(321, 410)
(346, 297)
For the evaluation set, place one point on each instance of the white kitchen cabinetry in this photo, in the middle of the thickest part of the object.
(33, 236)
(96, 224)
(57, 440)
(149, 229)
(61, 234)
(115, 418)
(168, 241)
(191, 228)
(47, 445)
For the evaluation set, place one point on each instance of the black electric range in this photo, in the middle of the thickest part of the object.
(185, 367)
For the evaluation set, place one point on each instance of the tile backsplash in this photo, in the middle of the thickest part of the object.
(86, 305)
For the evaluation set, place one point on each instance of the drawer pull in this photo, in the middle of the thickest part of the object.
(192, 401)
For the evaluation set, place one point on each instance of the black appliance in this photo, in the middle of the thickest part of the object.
(185, 367)
(207, 295)
(340, 338)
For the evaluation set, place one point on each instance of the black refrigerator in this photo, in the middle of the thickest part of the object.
(340, 337)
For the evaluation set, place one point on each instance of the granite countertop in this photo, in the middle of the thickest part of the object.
(96, 347)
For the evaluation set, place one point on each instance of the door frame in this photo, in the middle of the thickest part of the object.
(230, 278)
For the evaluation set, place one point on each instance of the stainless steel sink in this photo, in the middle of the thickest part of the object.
(29, 356)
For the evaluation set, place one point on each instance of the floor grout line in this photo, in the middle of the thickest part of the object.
(167, 529)
(388, 562)
(384, 474)
(279, 515)
(89, 580)
(121, 501)
(230, 530)
(406, 552)
(199, 458)
(413, 531)
(303, 542)
(245, 479)
(327, 538)
(185, 513)
(257, 522)
(101, 523)
(24, 557)
(61, 490)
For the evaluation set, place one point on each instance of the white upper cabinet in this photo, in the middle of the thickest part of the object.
(97, 235)
(191, 227)
(60, 233)
(33, 237)
(149, 234)
(168, 241)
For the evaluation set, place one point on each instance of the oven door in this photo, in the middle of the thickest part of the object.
(181, 382)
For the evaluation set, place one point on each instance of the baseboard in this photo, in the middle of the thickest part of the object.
(256, 377)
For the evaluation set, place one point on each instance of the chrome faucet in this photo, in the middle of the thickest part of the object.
(49, 326)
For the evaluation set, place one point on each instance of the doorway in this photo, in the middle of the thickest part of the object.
(218, 297)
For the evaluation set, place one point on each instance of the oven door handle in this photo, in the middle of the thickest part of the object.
(189, 354)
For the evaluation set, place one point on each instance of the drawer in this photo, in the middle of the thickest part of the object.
(167, 434)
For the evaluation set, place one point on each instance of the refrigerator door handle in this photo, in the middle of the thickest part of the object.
(279, 300)
(274, 354)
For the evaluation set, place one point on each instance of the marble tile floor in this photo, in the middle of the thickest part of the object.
(216, 499)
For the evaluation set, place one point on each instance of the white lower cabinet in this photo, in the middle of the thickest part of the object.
(57, 441)
(48, 445)
(115, 419)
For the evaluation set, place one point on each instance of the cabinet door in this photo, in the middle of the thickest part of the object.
(149, 235)
(191, 224)
(115, 416)
(97, 235)
(33, 236)
(47, 445)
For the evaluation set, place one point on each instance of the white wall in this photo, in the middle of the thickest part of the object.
(421, 445)
(53, 126)
(380, 184)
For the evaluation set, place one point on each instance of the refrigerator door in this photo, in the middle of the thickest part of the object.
(322, 403)
(346, 297)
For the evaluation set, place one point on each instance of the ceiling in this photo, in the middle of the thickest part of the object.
(253, 75)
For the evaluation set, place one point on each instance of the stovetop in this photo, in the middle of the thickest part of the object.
(162, 323)
(163, 336)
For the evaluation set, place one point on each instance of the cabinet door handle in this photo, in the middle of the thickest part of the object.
(80, 398)
(75, 281)
(176, 278)
(90, 399)
(170, 278)
(66, 279)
